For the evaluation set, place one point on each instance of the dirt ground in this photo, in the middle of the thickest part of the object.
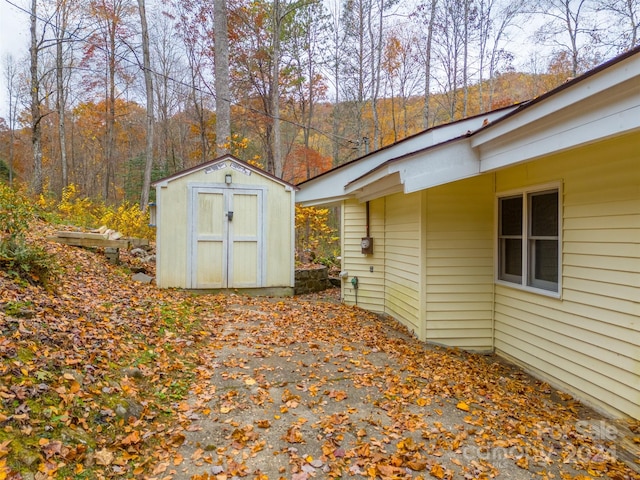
(308, 388)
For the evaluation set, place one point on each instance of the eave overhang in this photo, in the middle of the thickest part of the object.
(444, 163)
(603, 104)
(329, 187)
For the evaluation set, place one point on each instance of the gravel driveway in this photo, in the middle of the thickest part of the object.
(308, 388)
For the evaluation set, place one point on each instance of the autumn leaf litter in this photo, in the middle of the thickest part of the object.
(107, 378)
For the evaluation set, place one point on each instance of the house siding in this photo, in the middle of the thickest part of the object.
(354, 227)
(587, 341)
(403, 265)
(459, 264)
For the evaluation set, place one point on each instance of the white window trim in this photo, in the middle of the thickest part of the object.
(525, 264)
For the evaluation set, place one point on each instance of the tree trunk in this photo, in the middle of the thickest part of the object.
(427, 65)
(148, 83)
(221, 65)
(10, 75)
(275, 90)
(61, 97)
(465, 61)
(36, 117)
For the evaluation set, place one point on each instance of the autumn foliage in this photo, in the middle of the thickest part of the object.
(79, 210)
(316, 239)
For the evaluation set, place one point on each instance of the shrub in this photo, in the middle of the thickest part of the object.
(19, 257)
(129, 220)
(82, 211)
(315, 239)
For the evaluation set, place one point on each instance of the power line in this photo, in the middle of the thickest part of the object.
(202, 91)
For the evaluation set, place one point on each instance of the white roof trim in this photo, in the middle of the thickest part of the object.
(436, 166)
(331, 185)
(164, 182)
(606, 114)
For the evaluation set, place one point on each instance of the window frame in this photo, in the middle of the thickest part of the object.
(526, 282)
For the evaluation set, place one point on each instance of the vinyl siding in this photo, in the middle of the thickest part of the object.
(587, 341)
(459, 264)
(371, 284)
(403, 259)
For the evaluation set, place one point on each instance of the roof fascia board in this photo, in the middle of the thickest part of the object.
(370, 179)
(322, 202)
(332, 183)
(609, 113)
(453, 161)
(589, 86)
(386, 185)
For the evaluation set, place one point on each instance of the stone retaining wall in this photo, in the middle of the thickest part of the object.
(309, 280)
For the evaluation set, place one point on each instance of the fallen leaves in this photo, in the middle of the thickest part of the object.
(107, 378)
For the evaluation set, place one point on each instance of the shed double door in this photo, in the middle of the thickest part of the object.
(226, 238)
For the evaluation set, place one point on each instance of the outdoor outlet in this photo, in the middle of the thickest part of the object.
(371, 268)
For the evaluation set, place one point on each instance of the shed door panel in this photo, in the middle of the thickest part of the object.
(210, 261)
(244, 238)
(226, 253)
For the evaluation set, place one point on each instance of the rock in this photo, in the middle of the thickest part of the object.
(132, 372)
(142, 278)
(128, 409)
(138, 252)
(121, 411)
(28, 458)
(309, 280)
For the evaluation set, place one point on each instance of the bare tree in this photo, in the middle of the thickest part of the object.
(567, 23)
(495, 19)
(11, 77)
(427, 15)
(625, 26)
(221, 65)
(336, 67)
(107, 48)
(36, 115)
(168, 70)
(403, 67)
(148, 83)
(308, 47)
(64, 39)
(449, 46)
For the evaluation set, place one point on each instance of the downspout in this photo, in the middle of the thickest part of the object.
(367, 221)
(493, 280)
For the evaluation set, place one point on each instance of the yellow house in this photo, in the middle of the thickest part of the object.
(225, 224)
(516, 232)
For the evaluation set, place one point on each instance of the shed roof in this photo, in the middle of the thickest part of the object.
(224, 158)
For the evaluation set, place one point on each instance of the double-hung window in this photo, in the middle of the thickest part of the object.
(529, 240)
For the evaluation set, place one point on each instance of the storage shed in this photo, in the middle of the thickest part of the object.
(225, 224)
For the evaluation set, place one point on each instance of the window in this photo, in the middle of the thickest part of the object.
(528, 239)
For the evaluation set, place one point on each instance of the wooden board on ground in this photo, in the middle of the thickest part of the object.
(82, 239)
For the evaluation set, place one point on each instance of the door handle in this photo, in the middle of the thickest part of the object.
(230, 215)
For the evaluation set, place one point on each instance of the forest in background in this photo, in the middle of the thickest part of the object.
(113, 95)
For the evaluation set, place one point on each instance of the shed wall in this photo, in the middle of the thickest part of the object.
(172, 234)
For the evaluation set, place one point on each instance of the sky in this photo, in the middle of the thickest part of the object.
(14, 40)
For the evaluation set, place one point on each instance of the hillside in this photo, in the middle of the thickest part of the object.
(93, 371)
